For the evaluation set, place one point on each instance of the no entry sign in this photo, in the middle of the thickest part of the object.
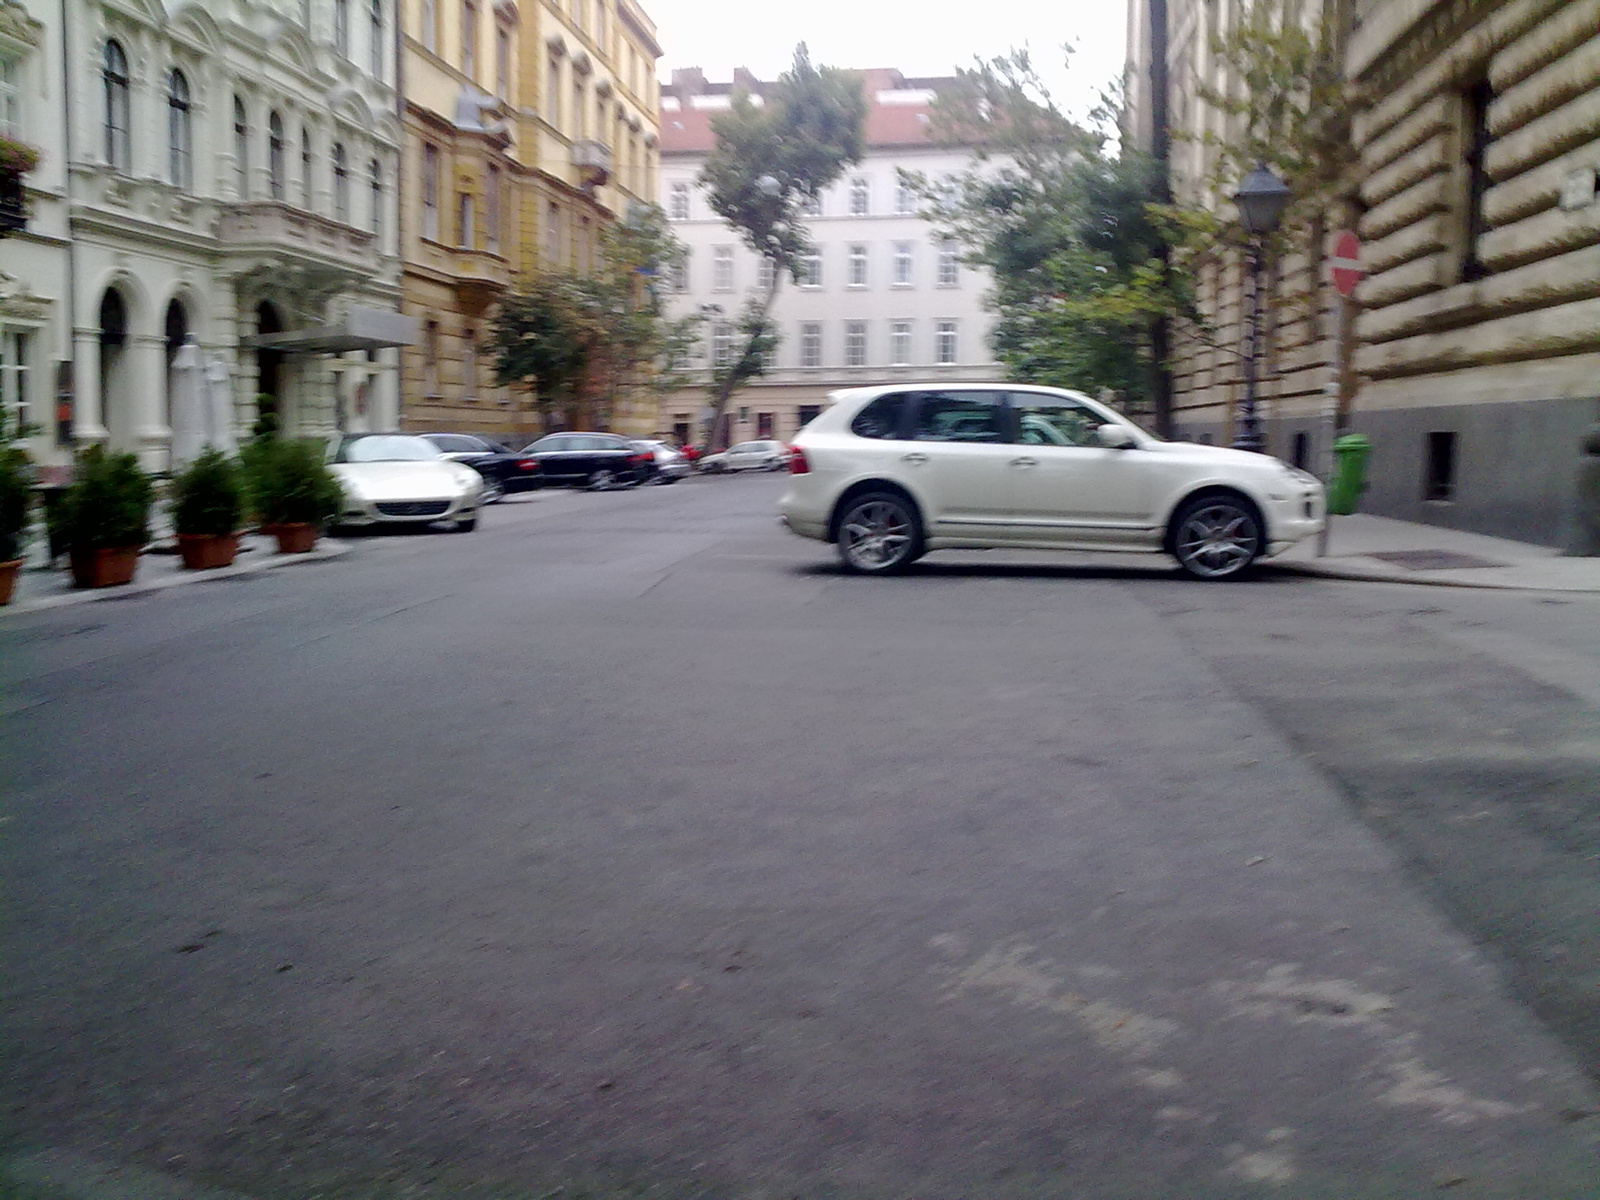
(1346, 263)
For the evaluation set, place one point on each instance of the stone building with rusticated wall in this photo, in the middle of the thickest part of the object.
(1473, 352)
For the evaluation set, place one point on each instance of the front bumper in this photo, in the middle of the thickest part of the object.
(359, 511)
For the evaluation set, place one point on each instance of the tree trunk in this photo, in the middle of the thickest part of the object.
(731, 382)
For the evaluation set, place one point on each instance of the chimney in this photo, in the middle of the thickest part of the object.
(745, 80)
(688, 81)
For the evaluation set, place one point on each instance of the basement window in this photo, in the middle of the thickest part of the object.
(1439, 467)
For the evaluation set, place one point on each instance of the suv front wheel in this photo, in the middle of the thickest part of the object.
(878, 534)
(1217, 537)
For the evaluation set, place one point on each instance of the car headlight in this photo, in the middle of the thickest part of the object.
(1303, 478)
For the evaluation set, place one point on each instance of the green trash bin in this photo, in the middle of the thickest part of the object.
(1350, 454)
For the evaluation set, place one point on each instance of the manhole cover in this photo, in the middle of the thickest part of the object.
(1433, 560)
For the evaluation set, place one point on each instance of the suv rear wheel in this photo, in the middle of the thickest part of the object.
(878, 534)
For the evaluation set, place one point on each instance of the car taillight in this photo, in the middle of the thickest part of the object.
(528, 464)
(797, 461)
(640, 458)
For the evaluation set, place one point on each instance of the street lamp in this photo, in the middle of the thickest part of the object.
(1261, 198)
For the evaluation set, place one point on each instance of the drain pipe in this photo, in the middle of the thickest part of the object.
(66, 431)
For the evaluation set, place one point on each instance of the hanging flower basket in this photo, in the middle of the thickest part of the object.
(17, 158)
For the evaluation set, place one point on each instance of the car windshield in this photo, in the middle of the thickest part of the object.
(397, 447)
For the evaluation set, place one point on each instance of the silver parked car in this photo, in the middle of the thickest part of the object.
(764, 455)
(671, 465)
(888, 473)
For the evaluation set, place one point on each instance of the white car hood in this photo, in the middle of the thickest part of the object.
(1198, 451)
(420, 480)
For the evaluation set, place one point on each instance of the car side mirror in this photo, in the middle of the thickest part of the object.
(1116, 437)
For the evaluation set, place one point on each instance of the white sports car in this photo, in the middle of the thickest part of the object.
(401, 479)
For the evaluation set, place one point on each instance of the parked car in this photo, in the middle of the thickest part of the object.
(888, 473)
(670, 463)
(402, 479)
(502, 470)
(748, 456)
(593, 460)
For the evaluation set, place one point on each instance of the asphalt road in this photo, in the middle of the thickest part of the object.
(626, 848)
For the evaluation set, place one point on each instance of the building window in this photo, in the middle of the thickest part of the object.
(722, 268)
(491, 209)
(860, 197)
(341, 27)
(1476, 138)
(1439, 467)
(766, 273)
(305, 167)
(375, 175)
(180, 133)
(902, 264)
(858, 265)
(430, 191)
(949, 269)
(811, 344)
(552, 90)
(430, 359)
(944, 343)
(241, 147)
(678, 273)
(275, 164)
(763, 425)
(375, 32)
(469, 364)
(430, 25)
(811, 206)
(341, 184)
(721, 344)
(580, 110)
(11, 98)
(502, 61)
(807, 413)
(679, 202)
(115, 77)
(900, 343)
(15, 397)
(855, 344)
(905, 200)
(469, 39)
(552, 232)
(464, 232)
(811, 270)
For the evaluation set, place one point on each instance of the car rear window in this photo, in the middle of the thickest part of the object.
(883, 418)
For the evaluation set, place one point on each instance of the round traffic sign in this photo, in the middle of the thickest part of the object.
(1345, 262)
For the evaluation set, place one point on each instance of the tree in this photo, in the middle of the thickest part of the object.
(769, 160)
(1064, 222)
(577, 340)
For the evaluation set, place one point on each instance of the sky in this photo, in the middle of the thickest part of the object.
(932, 38)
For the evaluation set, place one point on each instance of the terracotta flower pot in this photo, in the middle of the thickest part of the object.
(8, 579)
(105, 567)
(207, 551)
(293, 539)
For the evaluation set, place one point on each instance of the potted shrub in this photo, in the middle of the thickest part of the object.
(207, 503)
(16, 498)
(292, 492)
(106, 517)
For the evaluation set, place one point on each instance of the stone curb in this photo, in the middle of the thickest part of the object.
(1380, 575)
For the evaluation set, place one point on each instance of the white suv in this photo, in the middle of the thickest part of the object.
(889, 473)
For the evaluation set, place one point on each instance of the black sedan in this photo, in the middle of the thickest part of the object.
(503, 470)
(592, 460)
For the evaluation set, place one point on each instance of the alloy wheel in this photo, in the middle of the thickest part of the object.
(878, 534)
(1217, 539)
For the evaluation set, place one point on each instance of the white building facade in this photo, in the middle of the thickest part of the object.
(222, 172)
(884, 299)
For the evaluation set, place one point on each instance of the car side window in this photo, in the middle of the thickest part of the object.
(1057, 423)
(959, 417)
(453, 443)
(883, 418)
(549, 444)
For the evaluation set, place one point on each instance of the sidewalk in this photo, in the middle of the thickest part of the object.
(1382, 550)
(39, 585)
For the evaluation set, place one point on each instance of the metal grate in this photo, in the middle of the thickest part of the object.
(1434, 560)
(412, 508)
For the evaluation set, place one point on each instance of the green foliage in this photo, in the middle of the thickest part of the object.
(570, 336)
(1066, 226)
(16, 500)
(266, 422)
(108, 504)
(17, 158)
(288, 483)
(207, 496)
(768, 162)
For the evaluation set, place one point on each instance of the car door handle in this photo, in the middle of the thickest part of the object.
(1024, 462)
(914, 458)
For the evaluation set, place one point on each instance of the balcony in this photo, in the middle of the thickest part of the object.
(278, 234)
(593, 161)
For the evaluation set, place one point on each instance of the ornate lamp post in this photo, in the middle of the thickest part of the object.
(1261, 198)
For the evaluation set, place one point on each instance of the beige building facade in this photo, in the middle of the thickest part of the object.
(1471, 354)
(529, 128)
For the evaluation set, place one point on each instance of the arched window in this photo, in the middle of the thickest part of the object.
(375, 47)
(275, 165)
(305, 167)
(115, 73)
(377, 197)
(341, 184)
(180, 133)
(241, 147)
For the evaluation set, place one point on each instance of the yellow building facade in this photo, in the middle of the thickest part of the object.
(529, 127)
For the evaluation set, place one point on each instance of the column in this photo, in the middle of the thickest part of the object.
(88, 422)
(145, 367)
